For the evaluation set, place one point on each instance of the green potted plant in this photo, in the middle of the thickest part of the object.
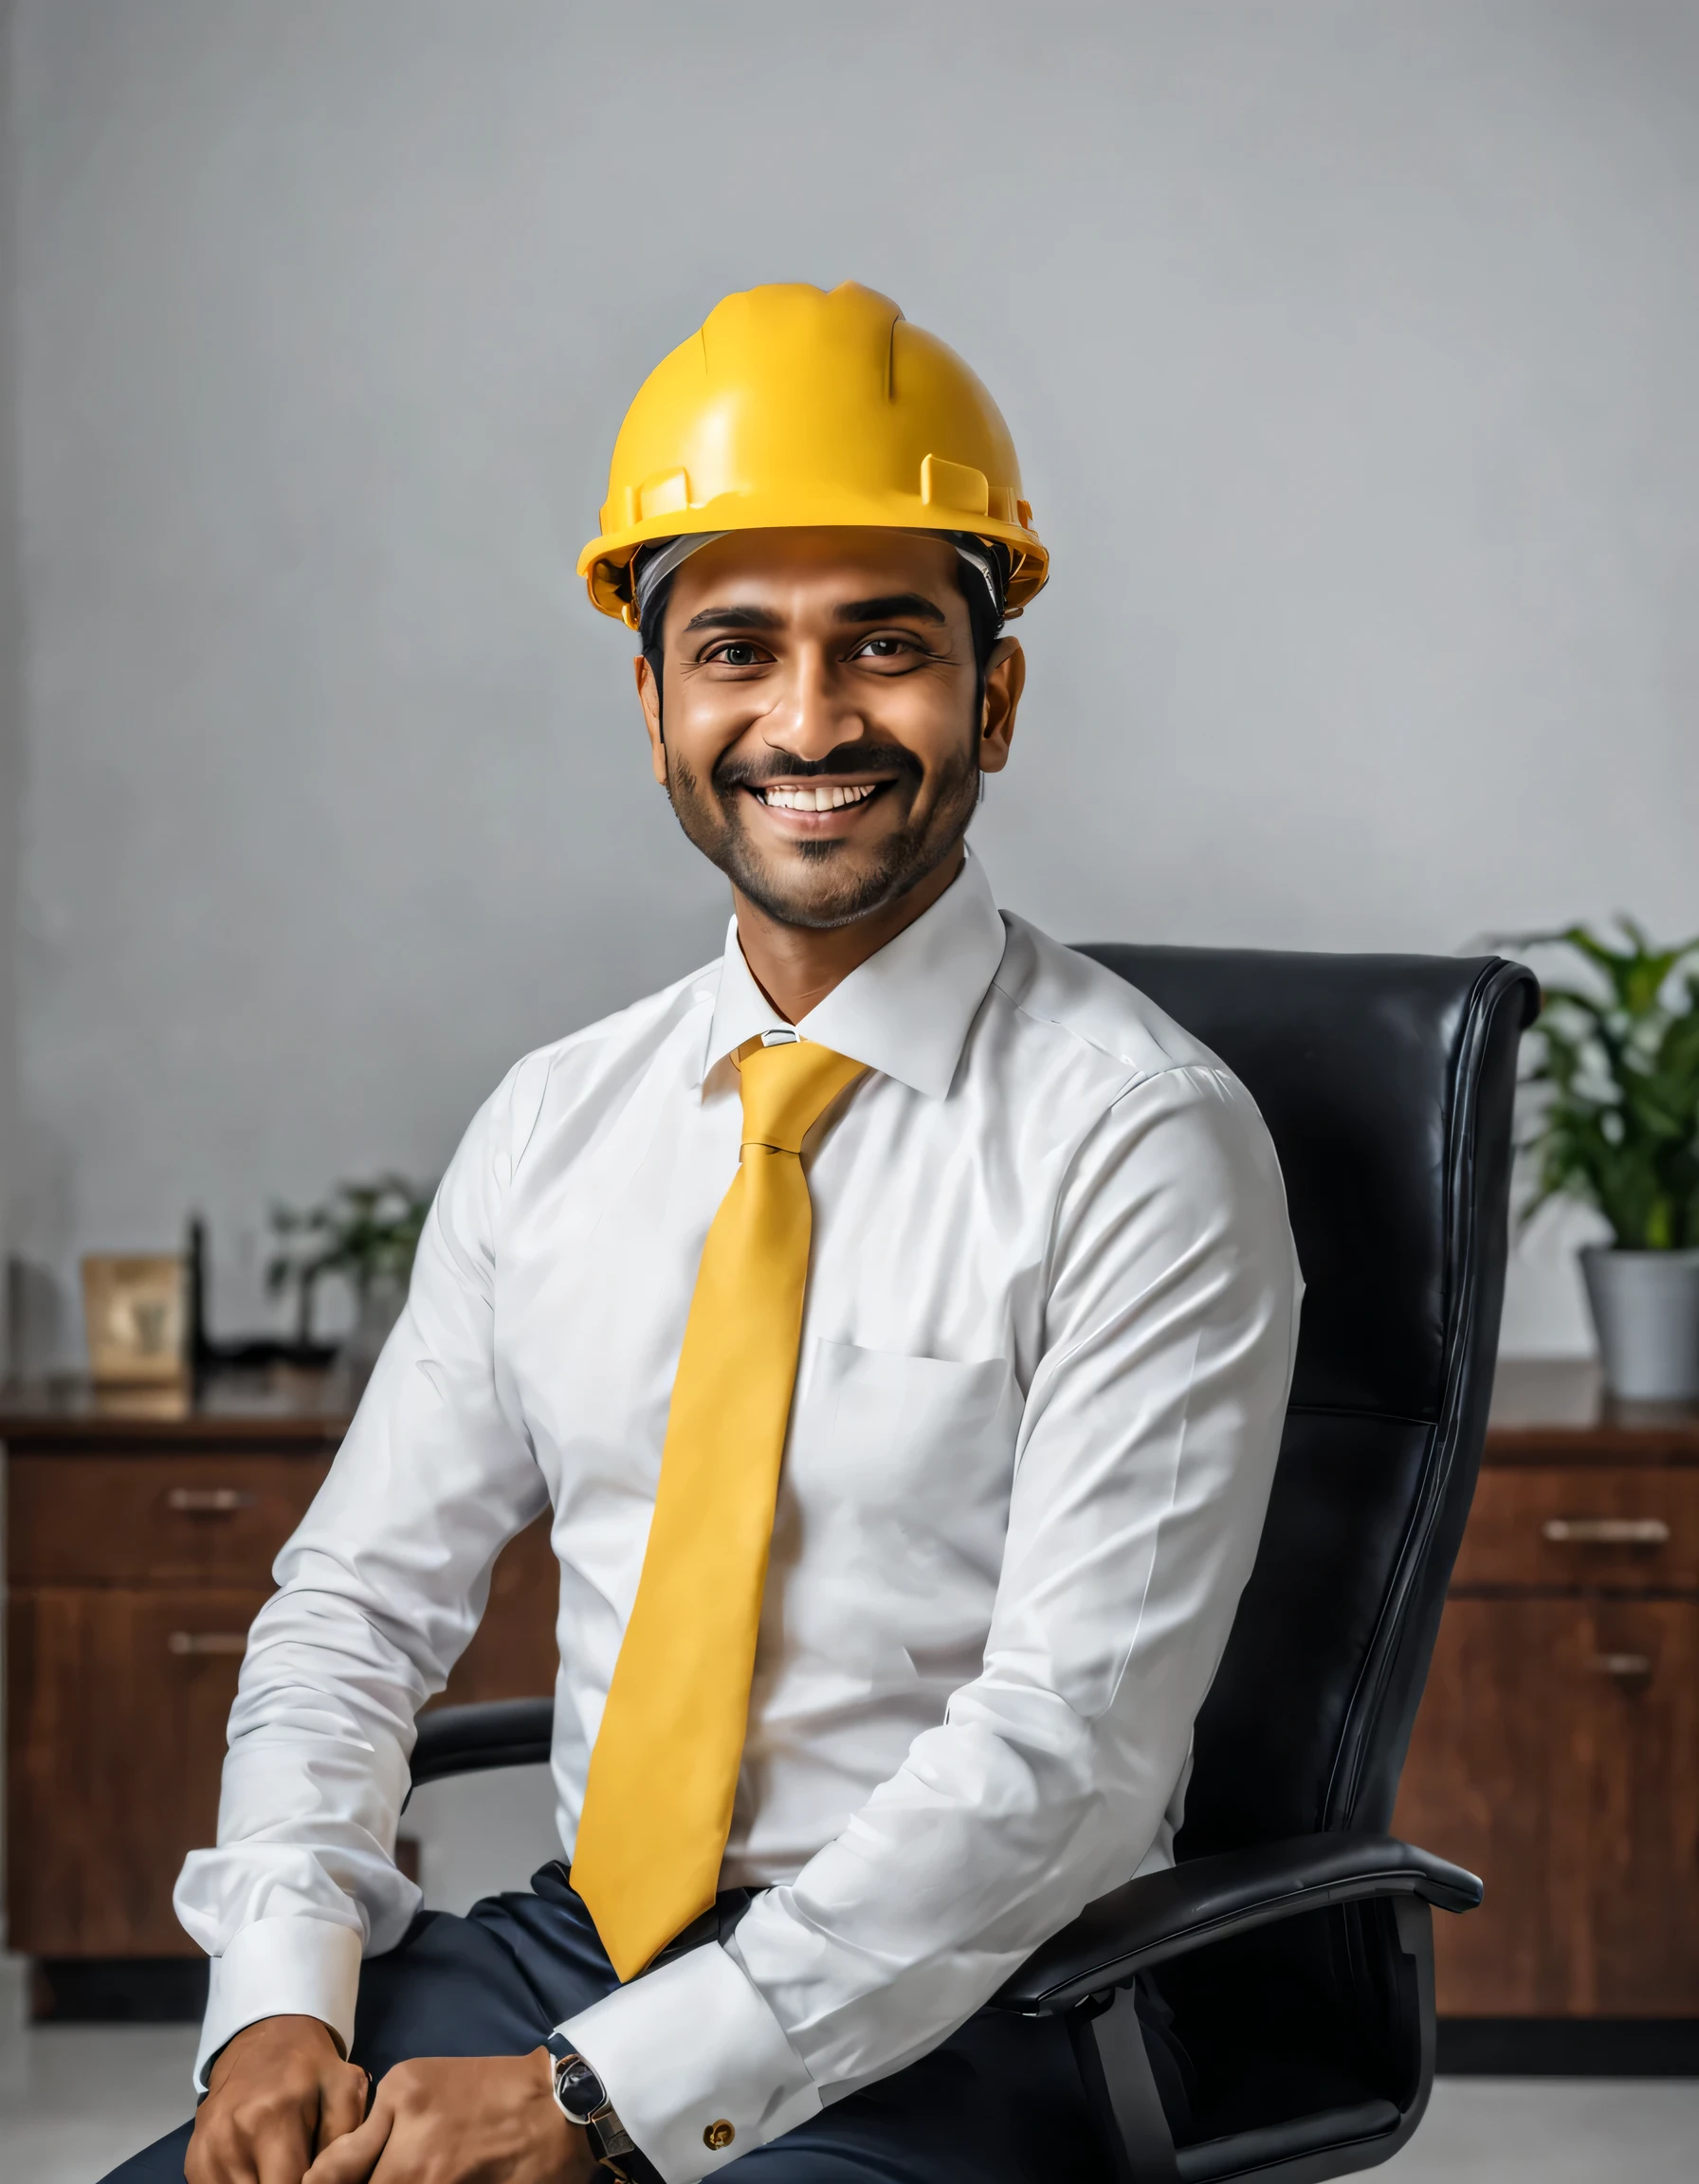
(365, 1232)
(1613, 1107)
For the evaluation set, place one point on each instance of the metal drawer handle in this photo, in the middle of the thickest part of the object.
(208, 1501)
(1625, 1667)
(191, 1642)
(1605, 1531)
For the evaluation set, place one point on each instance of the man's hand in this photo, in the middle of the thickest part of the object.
(462, 2120)
(279, 2093)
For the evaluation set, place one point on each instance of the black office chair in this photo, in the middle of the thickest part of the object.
(1294, 1936)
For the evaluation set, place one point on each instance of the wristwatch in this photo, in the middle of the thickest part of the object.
(582, 2099)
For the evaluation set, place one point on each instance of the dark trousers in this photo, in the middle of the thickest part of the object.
(1000, 2103)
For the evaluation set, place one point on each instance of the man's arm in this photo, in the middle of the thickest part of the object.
(380, 1589)
(1147, 1448)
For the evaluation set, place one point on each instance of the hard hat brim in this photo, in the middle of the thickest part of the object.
(604, 561)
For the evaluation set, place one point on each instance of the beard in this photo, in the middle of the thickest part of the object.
(828, 884)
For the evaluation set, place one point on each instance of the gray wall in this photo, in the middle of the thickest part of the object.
(1351, 350)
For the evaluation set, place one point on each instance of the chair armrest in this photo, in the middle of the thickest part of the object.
(1163, 1915)
(466, 1740)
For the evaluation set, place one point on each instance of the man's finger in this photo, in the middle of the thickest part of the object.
(343, 2109)
(217, 2157)
(351, 2158)
(281, 2152)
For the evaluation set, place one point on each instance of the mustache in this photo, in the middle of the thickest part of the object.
(847, 759)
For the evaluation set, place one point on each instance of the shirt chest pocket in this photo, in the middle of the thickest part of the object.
(912, 1457)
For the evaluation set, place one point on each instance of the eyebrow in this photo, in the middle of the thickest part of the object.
(734, 618)
(893, 607)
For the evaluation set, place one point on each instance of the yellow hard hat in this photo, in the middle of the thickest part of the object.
(792, 407)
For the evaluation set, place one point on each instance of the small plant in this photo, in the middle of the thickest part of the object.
(1616, 1113)
(367, 1232)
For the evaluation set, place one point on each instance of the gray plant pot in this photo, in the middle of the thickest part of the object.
(1646, 1308)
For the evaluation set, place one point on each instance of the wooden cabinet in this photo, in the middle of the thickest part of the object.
(140, 1546)
(1556, 1753)
(1557, 1750)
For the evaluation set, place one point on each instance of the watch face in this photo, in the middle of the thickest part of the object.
(580, 2091)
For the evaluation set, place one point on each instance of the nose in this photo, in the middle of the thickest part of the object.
(814, 712)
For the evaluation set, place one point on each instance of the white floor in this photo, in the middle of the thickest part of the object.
(75, 2100)
(1555, 2131)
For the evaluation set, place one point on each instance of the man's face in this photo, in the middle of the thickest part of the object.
(817, 727)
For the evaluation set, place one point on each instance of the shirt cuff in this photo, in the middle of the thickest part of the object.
(295, 1967)
(696, 2065)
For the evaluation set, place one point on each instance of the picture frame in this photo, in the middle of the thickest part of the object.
(135, 1317)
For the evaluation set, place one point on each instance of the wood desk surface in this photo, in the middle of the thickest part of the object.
(1555, 1409)
(1555, 1405)
(240, 1410)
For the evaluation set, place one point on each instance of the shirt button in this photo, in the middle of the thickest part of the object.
(719, 2135)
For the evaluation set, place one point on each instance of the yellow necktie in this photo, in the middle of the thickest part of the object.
(664, 1773)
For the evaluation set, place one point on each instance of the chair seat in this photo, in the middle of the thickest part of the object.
(1242, 2150)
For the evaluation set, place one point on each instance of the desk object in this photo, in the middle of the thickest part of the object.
(1556, 1749)
(135, 1318)
(140, 1544)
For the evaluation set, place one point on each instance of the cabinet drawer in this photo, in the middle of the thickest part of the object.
(175, 1520)
(1557, 1754)
(1605, 1528)
(117, 1706)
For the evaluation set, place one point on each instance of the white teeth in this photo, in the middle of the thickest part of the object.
(827, 798)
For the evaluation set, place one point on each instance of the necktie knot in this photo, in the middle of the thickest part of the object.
(788, 1087)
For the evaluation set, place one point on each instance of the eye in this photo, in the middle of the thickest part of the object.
(738, 652)
(884, 647)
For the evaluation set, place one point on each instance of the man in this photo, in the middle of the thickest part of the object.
(896, 1316)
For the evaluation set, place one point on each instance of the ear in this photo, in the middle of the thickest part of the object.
(1005, 679)
(649, 696)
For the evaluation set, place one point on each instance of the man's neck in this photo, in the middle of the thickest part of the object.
(796, 966)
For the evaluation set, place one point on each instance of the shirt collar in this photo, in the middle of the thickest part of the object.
(904, 1011)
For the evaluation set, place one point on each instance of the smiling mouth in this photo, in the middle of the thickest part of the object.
(826, 796)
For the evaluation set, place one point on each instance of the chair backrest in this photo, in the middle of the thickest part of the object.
(1387, 1082)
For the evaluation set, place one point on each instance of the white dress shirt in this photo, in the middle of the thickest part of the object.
(1045, 1349)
